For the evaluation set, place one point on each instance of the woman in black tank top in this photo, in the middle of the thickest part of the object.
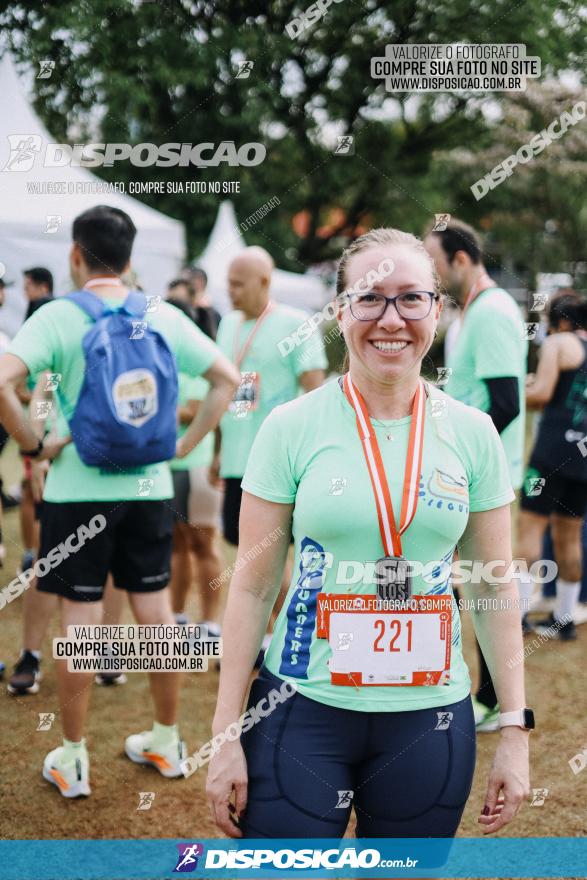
(555, 488)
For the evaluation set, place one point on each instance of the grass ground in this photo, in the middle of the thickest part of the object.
(31, 808)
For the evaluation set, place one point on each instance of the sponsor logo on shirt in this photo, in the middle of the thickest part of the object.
(301, 612)
(445, 491)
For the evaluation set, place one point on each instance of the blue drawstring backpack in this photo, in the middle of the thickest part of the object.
(125, 415)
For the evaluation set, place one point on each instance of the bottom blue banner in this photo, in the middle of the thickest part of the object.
(154, 859)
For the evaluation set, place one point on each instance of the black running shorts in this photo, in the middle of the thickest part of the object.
(82, 541)
(181, 494)
(407, 774)
(231, 508)
(545, 491)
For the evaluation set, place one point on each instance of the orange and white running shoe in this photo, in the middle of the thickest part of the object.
(70, 776)
(167, 759)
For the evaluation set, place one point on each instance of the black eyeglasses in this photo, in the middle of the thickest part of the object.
(411, 306)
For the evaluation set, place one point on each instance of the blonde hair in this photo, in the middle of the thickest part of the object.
(380, 238)
(377, 238)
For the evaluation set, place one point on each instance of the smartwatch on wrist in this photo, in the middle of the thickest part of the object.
(523, 718)
(32, 453)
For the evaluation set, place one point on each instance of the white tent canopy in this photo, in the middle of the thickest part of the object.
(159, 249)
(226, 242)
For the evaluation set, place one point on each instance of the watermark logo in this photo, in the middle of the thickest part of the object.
(244, 70)
(153, 303)
(345, 145)
(52, 381)
(579, 761)
(56, 555)
(52, 223)
(345, 800)
(539, 795)
(138, 329)
(444, 374)
(187, 860)
(438, 408)
(46, 719)
(23, 151)
(46, 68)
(539, 301)
(455, 67)
(25, 147)
(146, 799)
(444, 719)
(43, 409)
(300, 23)
(145, 486)
(582, 446)
(331, 309)
(242, 561)
(528, 151)
(441, 222)
(535, 485)
(337, 485)
(259, 214)
(344, 641)
(233, 732)
(530, 330)
(540, 640)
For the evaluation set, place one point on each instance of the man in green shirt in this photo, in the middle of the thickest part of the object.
(250, 336)
(108, 519)
(488, 360)
(487, 370)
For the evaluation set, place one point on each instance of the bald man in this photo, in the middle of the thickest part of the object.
(250, 337)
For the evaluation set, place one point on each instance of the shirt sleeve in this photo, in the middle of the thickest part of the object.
(310, 354)
(489, 481)
(500, 353)
(194, 351)
(223, 337)
(269, 473)
(36, 343)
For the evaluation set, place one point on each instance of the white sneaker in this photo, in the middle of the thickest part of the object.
(167, 760)
(70, 777)
(486, 719)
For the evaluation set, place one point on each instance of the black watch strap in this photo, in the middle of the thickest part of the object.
(27, 453)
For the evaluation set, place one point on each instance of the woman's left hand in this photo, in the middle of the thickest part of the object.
(509, 780)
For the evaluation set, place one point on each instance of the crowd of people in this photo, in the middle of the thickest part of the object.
(374, 466)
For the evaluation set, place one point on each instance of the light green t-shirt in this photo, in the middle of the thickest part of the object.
(51, 340)
(278, 375)
(491, 345)
(201, 455)
(308, 453)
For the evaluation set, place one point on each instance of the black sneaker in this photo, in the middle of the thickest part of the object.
(8, 502)
(110, 678)
(26, 676)
(564, 632)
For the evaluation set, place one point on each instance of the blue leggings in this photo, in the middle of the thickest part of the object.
(405, 777)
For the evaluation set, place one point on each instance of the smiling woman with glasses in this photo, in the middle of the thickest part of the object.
(382, 473)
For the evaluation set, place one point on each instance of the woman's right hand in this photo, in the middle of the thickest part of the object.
(227, 773)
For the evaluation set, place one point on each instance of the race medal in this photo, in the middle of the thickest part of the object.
(246, 396)
(393, 638)
(393, 579)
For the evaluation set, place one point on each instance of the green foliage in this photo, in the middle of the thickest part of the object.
(138, 71)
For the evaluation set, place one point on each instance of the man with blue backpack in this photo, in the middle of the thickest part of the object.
(117, 355)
